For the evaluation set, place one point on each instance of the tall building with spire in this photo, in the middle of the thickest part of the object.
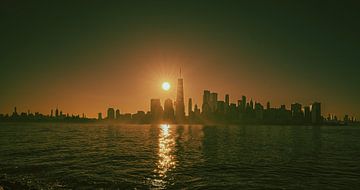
(180, 105)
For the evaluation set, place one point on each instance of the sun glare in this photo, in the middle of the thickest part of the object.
(165, 86)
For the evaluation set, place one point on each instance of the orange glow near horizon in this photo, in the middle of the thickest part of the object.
(106, 83)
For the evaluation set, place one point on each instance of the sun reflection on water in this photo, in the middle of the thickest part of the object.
(166, 161)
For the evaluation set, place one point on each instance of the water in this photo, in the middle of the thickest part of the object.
(90, 156)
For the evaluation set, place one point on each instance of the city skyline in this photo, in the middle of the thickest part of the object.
(179, 94)
(117, 54)
(190, 106)
(213, 110)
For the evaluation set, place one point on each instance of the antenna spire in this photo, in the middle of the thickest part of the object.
(180, 72)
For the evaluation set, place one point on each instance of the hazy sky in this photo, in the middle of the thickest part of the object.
(86, 56)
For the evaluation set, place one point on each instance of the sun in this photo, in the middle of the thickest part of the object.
(166, 86)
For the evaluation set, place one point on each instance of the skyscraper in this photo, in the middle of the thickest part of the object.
(168, 111)
(206, 103)
(243, 103)
(155, 110)
(180, 105)
(213, 101)
(259, 111)
(15, 112)
(196, 110)
(227, 99)
(111, 113)
(316, 113)
(190, 110)
(117, 114)
(251, 104)
(227, 103)
(296, 112)
(268, 105)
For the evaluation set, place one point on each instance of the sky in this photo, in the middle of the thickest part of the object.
(86, 56)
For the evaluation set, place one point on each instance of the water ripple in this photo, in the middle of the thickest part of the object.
(85, 156)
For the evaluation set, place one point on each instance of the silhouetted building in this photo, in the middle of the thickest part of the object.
(251, 105)
(206, 110)
(227, 103)
(191, 114)
(190, 110)
(282, 107)
(259, 112)
(242, 104)
(15, 111)
(126, 117)
(213, 101)
(316, 113)
(196, 111)
(139, 117)
(169, 115)
(110, 113)
(213, 111)
(227, 99)
(180, 105)
(233, 112)
(220, 108)
(307, 114)
(296, 113)
(156, 110)
(117, 114)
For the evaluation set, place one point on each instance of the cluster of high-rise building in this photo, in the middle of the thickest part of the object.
(54, 116)
(222, 111)
(244, 111)
(115, 115)
(213, 111)
(171, 112)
